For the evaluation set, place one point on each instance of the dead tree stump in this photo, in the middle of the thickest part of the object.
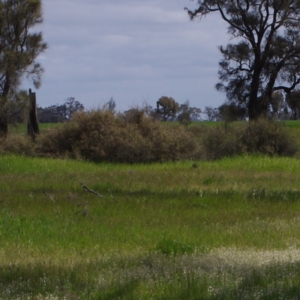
(32, 125)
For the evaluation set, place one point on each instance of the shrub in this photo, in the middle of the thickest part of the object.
(268, 137)
(261, 136)
(17, 144)
(219, 141)
(100, 135)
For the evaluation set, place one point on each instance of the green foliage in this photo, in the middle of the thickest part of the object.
(20, 47)
(170, 246)
(261, 61)
(167, 108)
(269, 138)
(220, 141)
(262, 136)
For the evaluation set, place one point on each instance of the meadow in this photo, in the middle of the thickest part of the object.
(227, 229)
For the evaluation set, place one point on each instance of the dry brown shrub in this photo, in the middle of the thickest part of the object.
(100, 135)
(17, 144)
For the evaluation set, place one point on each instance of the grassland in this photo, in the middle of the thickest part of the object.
(227, 229)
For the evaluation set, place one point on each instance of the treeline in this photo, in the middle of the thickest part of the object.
(282, 107)
(57, 113)
(60, 112)
(166, 109)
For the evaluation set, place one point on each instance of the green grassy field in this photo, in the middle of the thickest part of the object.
(227, 229)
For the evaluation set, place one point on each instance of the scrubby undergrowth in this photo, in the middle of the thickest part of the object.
(101, 135)
(257, 137)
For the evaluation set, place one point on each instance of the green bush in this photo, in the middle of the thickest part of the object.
(269, 138)
(261, 137)
(220, 141)
(101, 135)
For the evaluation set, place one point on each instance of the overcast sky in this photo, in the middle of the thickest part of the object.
(134, 51)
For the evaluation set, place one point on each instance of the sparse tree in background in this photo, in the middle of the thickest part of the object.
(211, 113)
(266, 57)
(111, 105)
(277, 104)
(167, 108)
(59, 112)
(19, 48)
(293, 102)
(195, 113)
(184, 116)
(70, 107)
(51, 114)
(187, 114)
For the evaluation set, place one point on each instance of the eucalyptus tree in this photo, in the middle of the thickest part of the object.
(20, 46)
(167, 108)
(266, 55)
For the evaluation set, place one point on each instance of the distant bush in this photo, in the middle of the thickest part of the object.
(261, 136)
(101, 135)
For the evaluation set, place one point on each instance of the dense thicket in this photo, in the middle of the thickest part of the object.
(101, 135)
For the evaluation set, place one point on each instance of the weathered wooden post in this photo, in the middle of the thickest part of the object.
(32, 125)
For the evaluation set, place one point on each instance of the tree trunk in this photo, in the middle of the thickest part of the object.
(3, 120)
(32, 126)
(3, 125)
(257, 106)
(253, 105)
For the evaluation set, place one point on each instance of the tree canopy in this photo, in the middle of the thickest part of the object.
(167, 108)
(19, 48)
(266, 57)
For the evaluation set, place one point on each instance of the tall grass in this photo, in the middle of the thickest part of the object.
(180, 230)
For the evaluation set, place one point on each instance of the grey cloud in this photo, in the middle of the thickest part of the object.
(131, 50)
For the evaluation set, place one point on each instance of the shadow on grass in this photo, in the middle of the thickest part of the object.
(82, 281)
(121, 279)
(64, 282)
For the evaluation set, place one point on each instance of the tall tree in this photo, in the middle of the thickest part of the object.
(266, 56)
(19, 48)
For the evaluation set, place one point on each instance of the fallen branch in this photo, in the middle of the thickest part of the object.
(91, 191)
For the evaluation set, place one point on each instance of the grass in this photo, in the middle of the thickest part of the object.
(227, 229)
(22, 128)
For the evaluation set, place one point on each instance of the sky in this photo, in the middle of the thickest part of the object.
(134, 51)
